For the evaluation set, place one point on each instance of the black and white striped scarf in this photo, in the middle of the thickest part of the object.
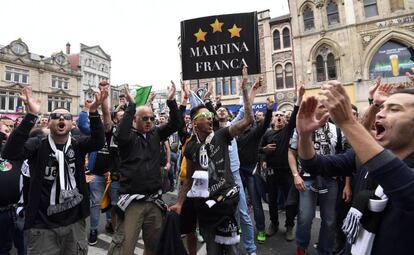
(64, 194)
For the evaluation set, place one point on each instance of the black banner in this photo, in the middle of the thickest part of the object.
(219, 46)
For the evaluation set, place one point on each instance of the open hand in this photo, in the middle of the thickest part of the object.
(127, 94)
(306, 121)
(99, 99)
(32, 106)
(411, 76)
(171, 91)
(374, 87)
(337, 102)
(381, 93)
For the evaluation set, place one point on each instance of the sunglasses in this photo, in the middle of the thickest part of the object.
(146, 118)
(56, 115)
(279, 115)
(206, 115)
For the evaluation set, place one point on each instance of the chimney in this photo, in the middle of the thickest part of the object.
(68, 48)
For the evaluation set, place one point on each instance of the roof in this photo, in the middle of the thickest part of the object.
(74, 61)
(85, 47)
(280, 18)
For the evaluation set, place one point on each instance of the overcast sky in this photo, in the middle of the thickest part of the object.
(140, 36)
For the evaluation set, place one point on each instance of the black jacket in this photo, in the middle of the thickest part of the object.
(278, 160)
(248, 143)
(36, 150)
(140, 157)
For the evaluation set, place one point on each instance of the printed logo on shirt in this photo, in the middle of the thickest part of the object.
(70, 153)
(203, 157)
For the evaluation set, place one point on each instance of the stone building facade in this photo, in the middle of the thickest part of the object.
(52, 79)
(352, 41)
(277, 69)
(95, 66)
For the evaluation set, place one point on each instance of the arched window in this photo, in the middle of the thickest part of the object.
(286, 38)
(320, 69)
(308, 19)
(330, 62)
(370, 8)
(326, 64)
(279, 77)
(289, 76)
(276, 40)
(333, 14)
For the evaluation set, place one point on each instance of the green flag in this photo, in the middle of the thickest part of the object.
(142, 94)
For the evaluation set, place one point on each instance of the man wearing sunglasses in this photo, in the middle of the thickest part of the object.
(140, 199)
(58, 201)
(215, 193)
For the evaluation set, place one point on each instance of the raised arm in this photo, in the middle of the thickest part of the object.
(306, 124)
(17, 147)
(82, 121)
(97, 139)
(123, 131)
(300, 94)
(176, 118)
(106, 114)
(242, 125)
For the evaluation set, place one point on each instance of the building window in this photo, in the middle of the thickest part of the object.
(9, 101)
(226, 86)
(331, 66)
(219, 83)
(326, 65)
(17, 75)
(276, 40)
(233, 85)
(103, 68)
(333, 13)
(320, 69)
(286, 38)
(396, 5)
(60, 82)
(279, 77)
(289, 76)
(308, 19)
(58, 102)
(370, 8)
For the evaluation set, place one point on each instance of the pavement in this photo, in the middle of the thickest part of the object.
(273, 245)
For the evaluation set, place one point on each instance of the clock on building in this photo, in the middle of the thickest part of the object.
(19, 48)
(60, 59)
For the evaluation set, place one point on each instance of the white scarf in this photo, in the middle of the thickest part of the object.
(69, 195)
(365, 239)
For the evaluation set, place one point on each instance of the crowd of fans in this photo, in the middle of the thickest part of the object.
(355, 166)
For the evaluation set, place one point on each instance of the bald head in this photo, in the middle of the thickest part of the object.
(144, 119)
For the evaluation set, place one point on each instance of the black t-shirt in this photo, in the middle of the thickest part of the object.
(64, 218)
(9, 182)
(221, 180)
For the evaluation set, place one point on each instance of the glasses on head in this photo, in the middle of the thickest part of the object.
(207, 115)
(57, 115)
(147, 118)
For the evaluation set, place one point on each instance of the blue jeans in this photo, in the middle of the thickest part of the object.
(10, 234)
(307, 207)
(255, 194)
(97, 188)
(245, 221)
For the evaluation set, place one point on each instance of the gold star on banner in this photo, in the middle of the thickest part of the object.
(200, 35)
(234, 31)
(217, 26)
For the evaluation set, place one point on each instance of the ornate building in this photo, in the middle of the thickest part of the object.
(52, 79)
(352, 41)
(277, 68)
(95, 66)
